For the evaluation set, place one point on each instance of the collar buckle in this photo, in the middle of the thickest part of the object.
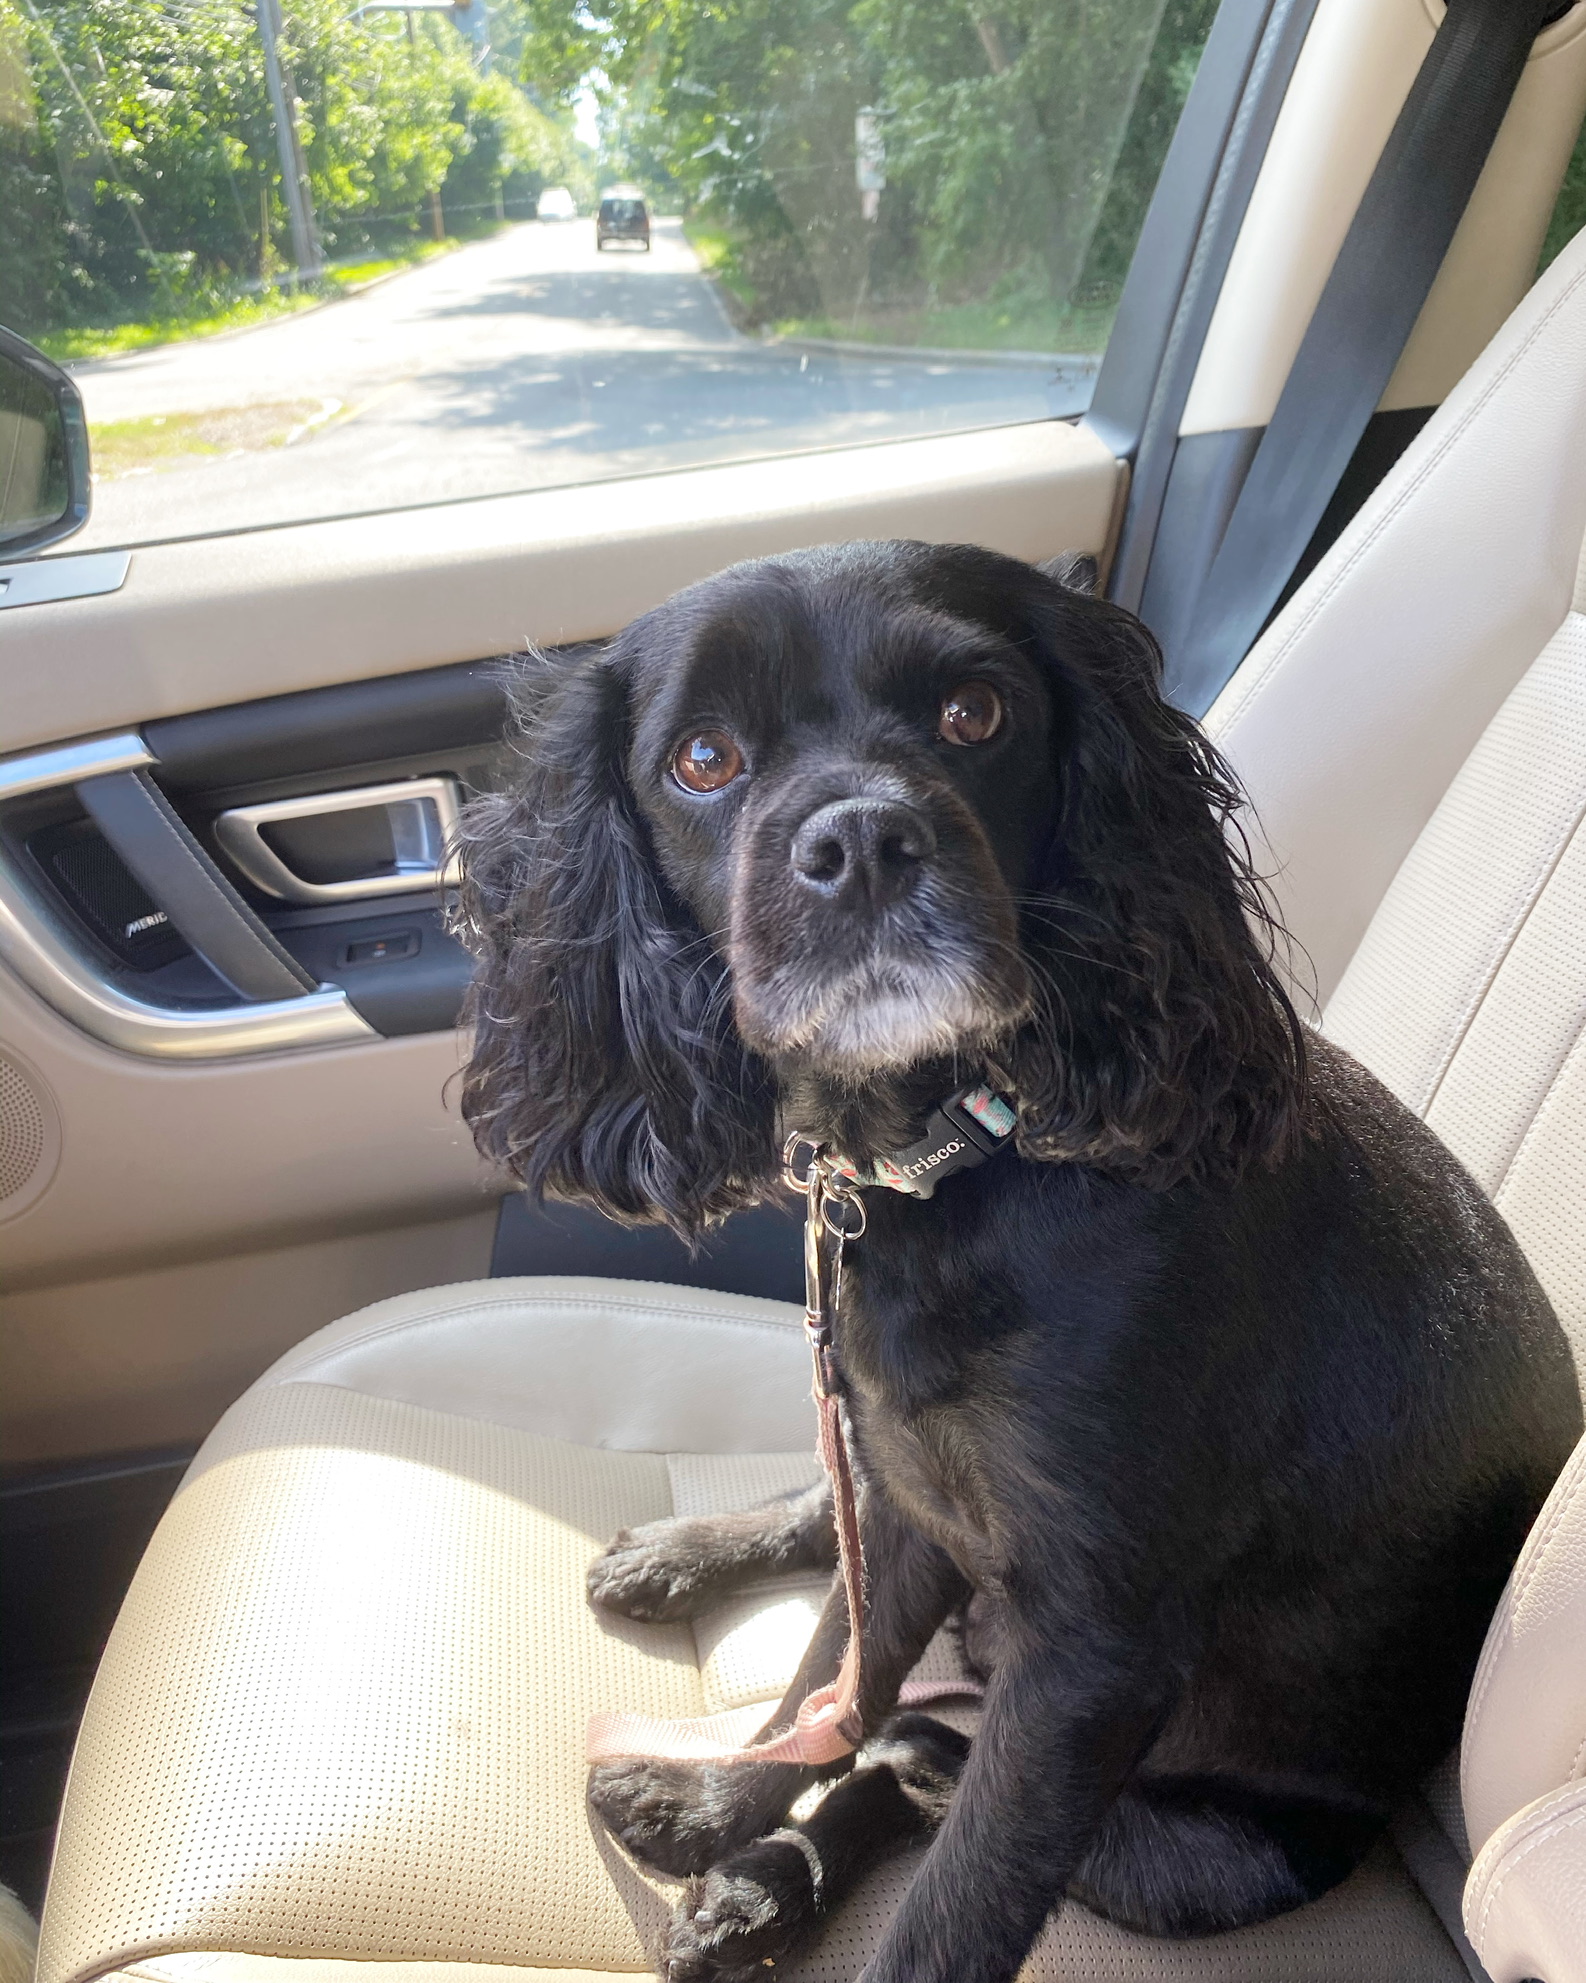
(972, 1124)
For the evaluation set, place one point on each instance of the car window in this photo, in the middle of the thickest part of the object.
(311, 258)
(1569, 210)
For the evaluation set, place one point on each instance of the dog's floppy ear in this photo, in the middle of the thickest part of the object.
(1077, 571)
(1166, 1045)
(605, 1065)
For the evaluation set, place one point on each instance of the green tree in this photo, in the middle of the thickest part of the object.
(508, 150)
(34, 224)
(139, 169)
(1022, 139)
(1569, 212)
(1007, 130)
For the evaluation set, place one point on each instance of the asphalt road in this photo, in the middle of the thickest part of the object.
(526, 361)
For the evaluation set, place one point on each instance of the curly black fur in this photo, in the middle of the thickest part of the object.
(607, 1065)
(1168, 1047)
(605, 1061)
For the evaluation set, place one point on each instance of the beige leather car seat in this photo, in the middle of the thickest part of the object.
(340, 1718)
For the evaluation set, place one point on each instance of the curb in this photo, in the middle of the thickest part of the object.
(929, 354)
(724, 301)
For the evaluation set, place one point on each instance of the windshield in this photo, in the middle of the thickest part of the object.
(310, 258)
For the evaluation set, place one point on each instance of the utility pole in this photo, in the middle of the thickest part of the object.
(870, 159)
(294, 171)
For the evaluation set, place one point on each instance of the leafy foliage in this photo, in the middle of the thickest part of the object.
(1569, 214)
(139, 175)
(1022, 143)
(139, 171)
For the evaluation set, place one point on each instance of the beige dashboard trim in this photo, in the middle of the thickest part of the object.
(226, 619)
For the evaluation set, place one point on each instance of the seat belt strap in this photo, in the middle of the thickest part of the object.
(1384, 270)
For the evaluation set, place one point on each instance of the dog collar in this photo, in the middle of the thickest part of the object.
(970, 1126)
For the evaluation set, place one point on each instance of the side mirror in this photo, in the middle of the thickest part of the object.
(44, 485)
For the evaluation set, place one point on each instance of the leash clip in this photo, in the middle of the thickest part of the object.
(834, 1214)
(792, 1176)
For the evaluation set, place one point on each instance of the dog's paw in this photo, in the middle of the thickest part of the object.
(682, 1817)
(655, 1573)
(754, 1909)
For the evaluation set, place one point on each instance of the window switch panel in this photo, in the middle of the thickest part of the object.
(384, 949)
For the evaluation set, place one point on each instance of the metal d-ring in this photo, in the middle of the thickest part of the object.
(824, 1188)
(797, 1180)
(839, 1193)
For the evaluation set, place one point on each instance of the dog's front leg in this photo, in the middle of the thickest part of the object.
(682, 1817)
(683, 1564)
(1056, 1743)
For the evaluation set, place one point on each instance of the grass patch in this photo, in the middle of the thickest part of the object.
(345, 276)
(986, 326)
(1018, 313)
(111, 340)
(241, 313)
(177, 440)
(717, 257)
(717, 254)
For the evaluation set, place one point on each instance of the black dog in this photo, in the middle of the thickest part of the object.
(1224, 1395)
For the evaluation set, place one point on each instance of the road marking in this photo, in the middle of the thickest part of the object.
(328, 409)
(356, 409)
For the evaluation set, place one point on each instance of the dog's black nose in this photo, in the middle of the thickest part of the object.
(862, 848)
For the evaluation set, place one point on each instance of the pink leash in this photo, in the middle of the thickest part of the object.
(827, 1726)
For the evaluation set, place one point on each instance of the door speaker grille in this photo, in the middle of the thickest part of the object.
(29, 1137)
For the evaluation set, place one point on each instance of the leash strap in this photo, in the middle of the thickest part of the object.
(828, 1725)
(835, 1214)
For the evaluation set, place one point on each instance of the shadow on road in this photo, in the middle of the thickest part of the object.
(637, 300)
(598, 402)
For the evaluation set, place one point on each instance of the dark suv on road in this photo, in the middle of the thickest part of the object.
(623, 216)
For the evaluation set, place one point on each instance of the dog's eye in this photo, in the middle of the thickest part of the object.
(707, 762)
(971, 714)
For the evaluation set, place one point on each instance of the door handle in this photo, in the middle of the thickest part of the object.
(138, 820)
(371, 840)
(44, 949)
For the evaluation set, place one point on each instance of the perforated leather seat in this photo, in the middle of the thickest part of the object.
(341, 1715)
(343, 1710)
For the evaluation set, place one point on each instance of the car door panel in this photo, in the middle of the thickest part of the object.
(204, 624)
(131, 1361)
(202, 1215)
